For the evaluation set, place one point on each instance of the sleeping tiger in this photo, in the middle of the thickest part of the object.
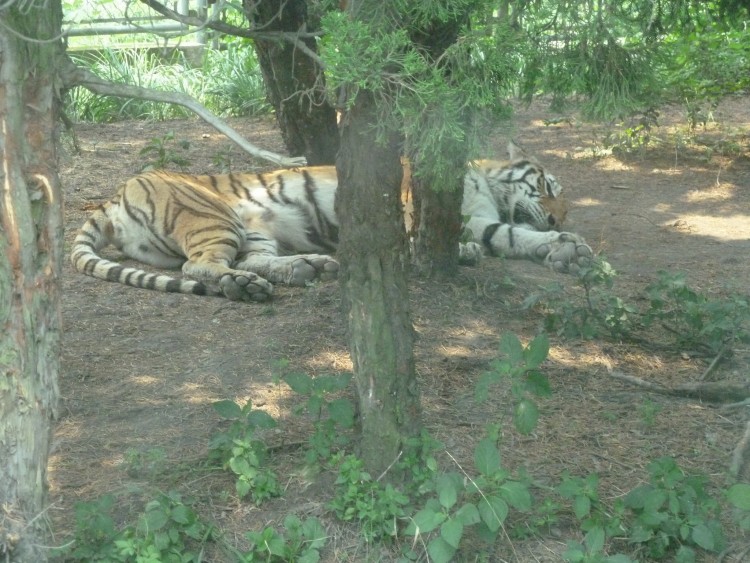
(237, 234)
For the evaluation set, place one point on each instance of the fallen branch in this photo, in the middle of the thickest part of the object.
(73, 75)
(708, 392)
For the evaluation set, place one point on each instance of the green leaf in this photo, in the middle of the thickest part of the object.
(440, 551)
(155, 519)
(227, 409)
(341, 412)
(299, 382)
(314, 533)
(538, 384)
(309, 556)
(493, 511)
(704, 537)
(468, 514)
(181, 514)
(447, 491)
(261, 419)
(525, 416)
(332, 383)
(486, 457)
(594, 539)
(739, 495)
(636, 498)
(537, 351)
(517, 495)
(451, 531)
(424, 522)
(581, 506)
(685, 555)
(511, 346)
(618, 558)
(482, 388)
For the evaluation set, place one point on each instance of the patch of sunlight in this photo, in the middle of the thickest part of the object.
(331, 361)
(456, 350)
(578, 152)
(579, 359)
(735, 227)
(587, 202)
(674, 171)
(145, 379)
(713, 194)
(613, 165)
(197, 394)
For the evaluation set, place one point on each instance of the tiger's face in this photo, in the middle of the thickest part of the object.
(542, 206)
(555, 206)
(556, 209)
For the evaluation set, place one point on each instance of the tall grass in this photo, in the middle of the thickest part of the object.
(228, 83)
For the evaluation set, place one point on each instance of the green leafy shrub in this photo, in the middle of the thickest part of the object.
(377, 507)
(162, 151)
(673, 513)
(239, 450)
(327, 437)
(520, 368)
(697, 321)
(461, 501)
(299, 543)
(168, 531)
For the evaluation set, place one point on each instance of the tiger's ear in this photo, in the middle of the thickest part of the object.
(515, 152)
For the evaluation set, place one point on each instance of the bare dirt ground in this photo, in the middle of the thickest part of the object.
(141, 369)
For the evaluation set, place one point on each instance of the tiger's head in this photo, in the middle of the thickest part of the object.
(543, 205)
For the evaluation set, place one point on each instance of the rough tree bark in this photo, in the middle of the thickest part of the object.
(374, 260)
(439, 211)
(31, 245)
(294, 82)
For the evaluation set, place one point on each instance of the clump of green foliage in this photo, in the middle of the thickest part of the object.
(168, 531)
(162, 151)
(330, 432)
(693, 320)
(375, 506)
(520, 367)
(240, 450)
(300, 542)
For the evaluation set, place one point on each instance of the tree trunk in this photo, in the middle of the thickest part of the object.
(294, 83)
(30, 270)
(374, 260)
(439, 226)
(439, 216)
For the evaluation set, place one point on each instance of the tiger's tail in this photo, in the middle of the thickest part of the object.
(96, 234)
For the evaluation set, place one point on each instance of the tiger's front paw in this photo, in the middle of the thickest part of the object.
(308, 267)
(245, 286)
(567, 254)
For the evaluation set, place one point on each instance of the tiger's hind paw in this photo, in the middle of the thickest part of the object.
(245, 286)
(567, 254)
(308, 267)
(470, 253)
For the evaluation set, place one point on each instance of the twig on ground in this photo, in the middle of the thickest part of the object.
(708, 392)
(713, 363)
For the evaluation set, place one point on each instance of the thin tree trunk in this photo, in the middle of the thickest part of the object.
(439, 226)
(30, 271)
(374, 265)
(294, 82)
